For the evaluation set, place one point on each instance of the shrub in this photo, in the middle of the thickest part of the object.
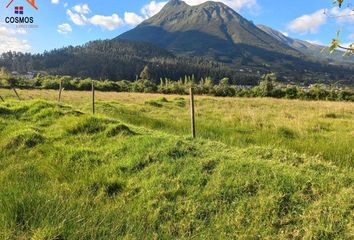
(143, 86)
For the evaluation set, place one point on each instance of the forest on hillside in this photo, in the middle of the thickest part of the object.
(118, 60)
(124, 60)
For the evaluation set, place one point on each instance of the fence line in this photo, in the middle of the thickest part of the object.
(60, 90)
(18, 96)
(191, 91)
(93, 98)
(93, 92)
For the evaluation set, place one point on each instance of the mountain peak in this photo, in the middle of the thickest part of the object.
(174, 3)
(213, 4)
(208, 29)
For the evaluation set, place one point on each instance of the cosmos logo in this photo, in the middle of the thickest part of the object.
(20, 10)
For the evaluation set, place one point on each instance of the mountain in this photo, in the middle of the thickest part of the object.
(214, 31)
(211, 29)
(307, 48)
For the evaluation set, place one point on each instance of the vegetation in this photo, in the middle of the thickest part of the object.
(118, 59)
(65, 174)
(124, 60)
(336, 43)
(260, 168)
(313, 128)
(267, 87)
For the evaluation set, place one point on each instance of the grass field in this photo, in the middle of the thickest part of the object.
(259, 169)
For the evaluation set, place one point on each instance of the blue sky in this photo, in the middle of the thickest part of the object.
(62, 23)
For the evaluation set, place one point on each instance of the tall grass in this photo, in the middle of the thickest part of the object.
(104, 177)
(316, 128)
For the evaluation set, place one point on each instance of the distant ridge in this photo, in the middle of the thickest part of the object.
(308, 48)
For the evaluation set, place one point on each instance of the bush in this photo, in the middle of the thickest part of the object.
(145, 86)
(266, 88)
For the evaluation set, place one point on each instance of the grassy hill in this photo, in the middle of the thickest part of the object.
(131, 172)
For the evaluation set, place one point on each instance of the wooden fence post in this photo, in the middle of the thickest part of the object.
(18, 96)
(93, 97)
(60, 90)
(192, 112)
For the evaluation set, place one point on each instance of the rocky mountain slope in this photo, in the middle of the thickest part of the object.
(307, 48)
(210, 29)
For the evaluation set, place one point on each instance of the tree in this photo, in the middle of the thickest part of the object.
(224, 81)
(145, 74)
(266, 86)
(336, 43)
(3, 72)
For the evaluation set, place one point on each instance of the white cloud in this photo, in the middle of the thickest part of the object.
(64, 28)
(78, 15)
(82, 9)
(11, 31)
(9, 40)
(78, 19)
(107, 22)
(55, 1)
(132, 19)
(147, 11)
(66, 5)
(152, 8)
(311, 23)
(308, 23)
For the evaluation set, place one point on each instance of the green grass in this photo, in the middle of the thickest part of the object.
(132, 173)
(305, 129)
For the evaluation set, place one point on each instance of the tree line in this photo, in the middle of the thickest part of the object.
(268, 86)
